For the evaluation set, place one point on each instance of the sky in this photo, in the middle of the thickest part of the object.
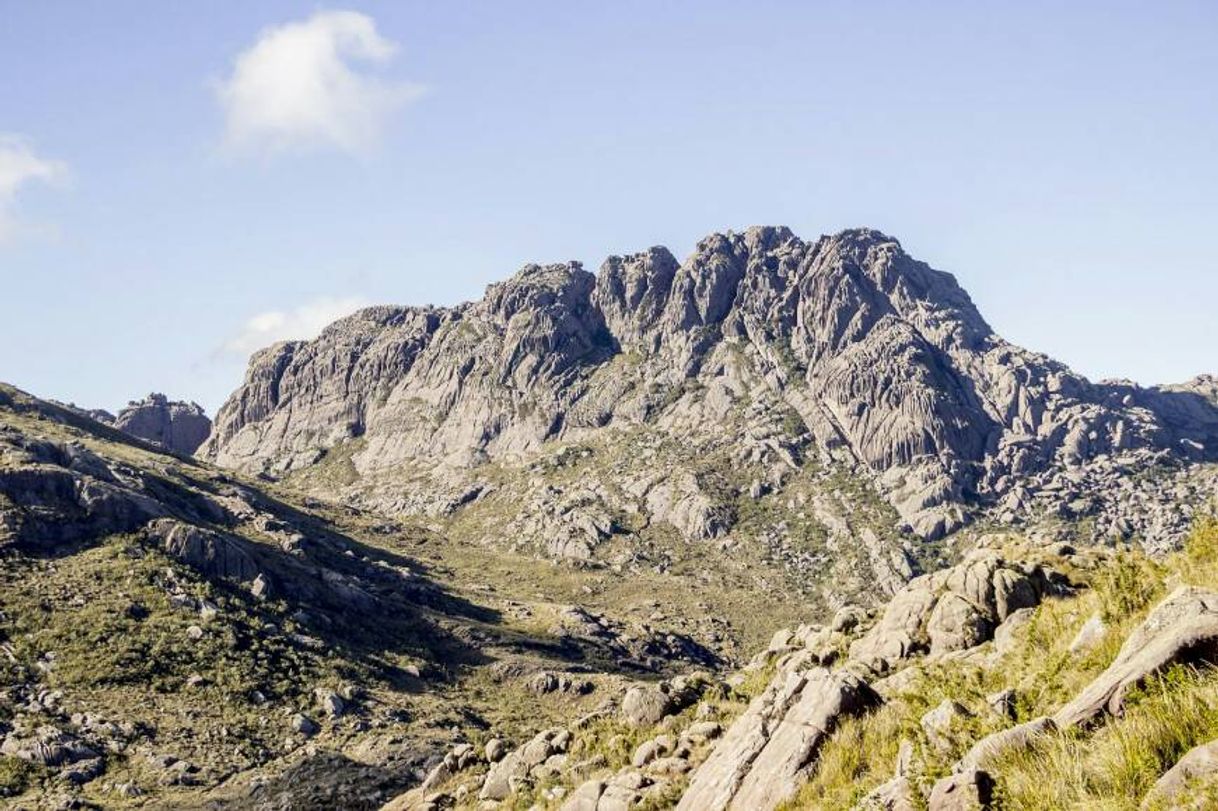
(181, 183)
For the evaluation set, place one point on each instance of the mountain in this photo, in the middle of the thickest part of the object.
(782, 525)
(769, 351)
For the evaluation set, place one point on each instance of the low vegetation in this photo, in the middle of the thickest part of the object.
(1109, 767)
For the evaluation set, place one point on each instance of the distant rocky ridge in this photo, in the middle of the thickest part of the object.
(844, 351)
(176, 425)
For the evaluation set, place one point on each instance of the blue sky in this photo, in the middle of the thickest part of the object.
(160, 213)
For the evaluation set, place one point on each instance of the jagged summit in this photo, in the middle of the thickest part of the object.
(866, 356)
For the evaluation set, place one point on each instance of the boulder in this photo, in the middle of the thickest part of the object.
(644, 706)
(210, 553)
(1198, 763)
(517, 765)
(495, 750)
(996, 744)
(957, 624)
(330, 702)
(848, 618)
(971, 790)
(895, 795)
(1089, 635)
(1182, 628)
(586, 797)
(767, 753)
(1002, 703)
(1005, 635)
(937, 723)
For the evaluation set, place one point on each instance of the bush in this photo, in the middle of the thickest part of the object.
(16, 776)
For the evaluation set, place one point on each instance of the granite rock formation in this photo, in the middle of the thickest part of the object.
(844, 350)
(178, 426)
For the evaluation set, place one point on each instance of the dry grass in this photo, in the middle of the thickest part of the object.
(1110, 767)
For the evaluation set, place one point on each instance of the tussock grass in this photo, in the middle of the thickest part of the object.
(1114, 767)
(1110, 767)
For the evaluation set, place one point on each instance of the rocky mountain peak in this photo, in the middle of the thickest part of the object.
(870, 358)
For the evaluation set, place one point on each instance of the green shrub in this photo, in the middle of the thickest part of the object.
(16, 776)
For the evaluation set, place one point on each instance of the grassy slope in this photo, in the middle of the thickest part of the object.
(1110, 767)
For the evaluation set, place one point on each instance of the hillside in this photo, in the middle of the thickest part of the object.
(175, 635)
(1029, 676)
(539, 551)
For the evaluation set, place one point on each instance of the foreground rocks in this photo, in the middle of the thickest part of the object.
(765, 755)
(954, 609)
(1197, 764)
(1182, 628)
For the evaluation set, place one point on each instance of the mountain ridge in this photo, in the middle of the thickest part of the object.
(886, 363)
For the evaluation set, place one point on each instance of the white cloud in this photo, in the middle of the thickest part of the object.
(19, 166)
(311, 83)
(305, 321)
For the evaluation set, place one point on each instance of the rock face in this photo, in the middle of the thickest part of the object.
(181, 427)
(766, 754)
(864, 354)
(57, 493)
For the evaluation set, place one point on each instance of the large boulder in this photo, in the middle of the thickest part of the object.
(1197, 764)
(644, 705)
(954, 609)
(210, 553)
(970, 790)
(177, 426)
(1182, 628)
(996, 744)
(768, 752)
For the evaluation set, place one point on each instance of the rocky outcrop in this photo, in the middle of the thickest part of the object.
(649, 704)
(770, 750)
(885, 362)
(767, 752)
(1182, 628)
(206, 551)
(54, 493)
(970, 790)
(996, 744)
(56, 749)
(954, 609)
(177, 426)
(506, 776)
